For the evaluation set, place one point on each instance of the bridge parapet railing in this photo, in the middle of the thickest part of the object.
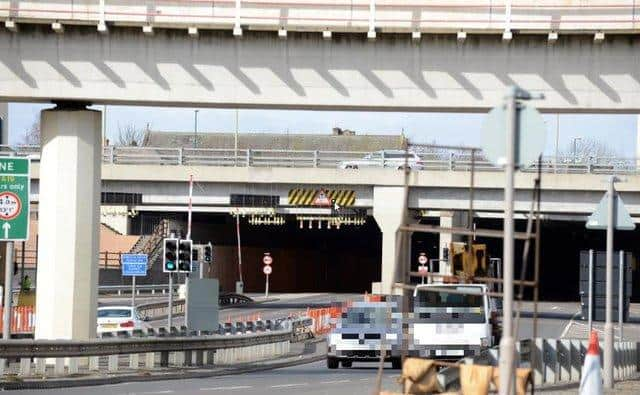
(539, 16)
(443, 160)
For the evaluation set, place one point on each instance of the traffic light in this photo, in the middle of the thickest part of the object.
(185, 254)
(208, 253)
(170, 255)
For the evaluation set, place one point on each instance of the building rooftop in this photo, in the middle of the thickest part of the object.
(338, 140)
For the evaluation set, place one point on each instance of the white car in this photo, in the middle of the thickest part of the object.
(395, 159)
(119, 318)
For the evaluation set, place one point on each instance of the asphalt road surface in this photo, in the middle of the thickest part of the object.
(310, 379)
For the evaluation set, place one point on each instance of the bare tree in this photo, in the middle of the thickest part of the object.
(130, 136)
(32, 135)
(588, 149)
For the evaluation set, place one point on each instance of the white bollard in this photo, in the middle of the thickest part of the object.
(3, 366)
(41, 366)
(58, 368)
(94, 363)
(538, 361)
(72, 365)
(25, 367)
(134, 361)
(112, 364)
(150, 360)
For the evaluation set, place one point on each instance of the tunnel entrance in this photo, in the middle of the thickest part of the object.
(304, 259)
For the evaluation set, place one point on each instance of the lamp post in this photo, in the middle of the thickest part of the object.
(575, 149)
(195, 128)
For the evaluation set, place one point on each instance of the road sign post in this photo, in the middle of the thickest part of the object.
(14, 218)
(134, 265)
(267, 260)
(610, 214)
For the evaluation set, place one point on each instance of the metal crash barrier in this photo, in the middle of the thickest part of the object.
(552, 361)
(63, 357)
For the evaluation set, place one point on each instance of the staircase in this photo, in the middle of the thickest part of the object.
(152, 244)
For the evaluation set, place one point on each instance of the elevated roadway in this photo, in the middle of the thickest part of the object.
(384, 56)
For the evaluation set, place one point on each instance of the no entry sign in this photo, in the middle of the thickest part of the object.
(267, 260)
(422, 259)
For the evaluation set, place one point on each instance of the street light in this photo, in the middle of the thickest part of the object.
(575, 149)
(195, 128)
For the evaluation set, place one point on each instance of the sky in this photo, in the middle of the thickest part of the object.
(618, 131)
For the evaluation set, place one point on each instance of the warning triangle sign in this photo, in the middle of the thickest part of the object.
(322, 199)
(621, 220)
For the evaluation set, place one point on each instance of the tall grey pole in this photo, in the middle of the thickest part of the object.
(195, 129)
(608, 326)
(620, 293)
(8, 289)
(235, 142)
(170, 313)
(590, 290)
(555, 167)
(133, 291)
(507, 343)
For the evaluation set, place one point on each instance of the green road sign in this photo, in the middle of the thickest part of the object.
(14, 198)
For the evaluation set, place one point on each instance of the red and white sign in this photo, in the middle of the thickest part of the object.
(267, 270)
(422, 259)
(267, 260)
(10, 205)
(322, 199)
(423, 269)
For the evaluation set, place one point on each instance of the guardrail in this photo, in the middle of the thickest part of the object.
(553, 361)
(441, 160)
(73, 357)
(150, 289)
(342, 16)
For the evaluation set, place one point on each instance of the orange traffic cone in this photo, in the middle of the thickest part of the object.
(591, 382)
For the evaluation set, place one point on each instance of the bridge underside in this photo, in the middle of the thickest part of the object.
(349, 259)
(392, 73)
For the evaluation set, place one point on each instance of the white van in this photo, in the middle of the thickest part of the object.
(450, 321)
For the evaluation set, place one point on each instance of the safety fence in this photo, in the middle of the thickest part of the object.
(419, 159)
(23, 319)
(50, 358)
(553, 361)
(342, 15)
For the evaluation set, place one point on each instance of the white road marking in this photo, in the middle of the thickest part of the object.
(289, 385)
(237, 387)
(155, 392)
(364, 379)
(335, 382)
(554, 308)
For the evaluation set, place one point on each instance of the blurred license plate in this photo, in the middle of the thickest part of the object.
(449, 353)
(109, 326)
(449, 328)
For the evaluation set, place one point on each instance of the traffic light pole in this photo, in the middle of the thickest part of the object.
(8, 285)
(170, 313)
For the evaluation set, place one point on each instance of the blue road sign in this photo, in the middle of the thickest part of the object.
(134, 264)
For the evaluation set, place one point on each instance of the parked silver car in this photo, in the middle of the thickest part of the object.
(396, 159)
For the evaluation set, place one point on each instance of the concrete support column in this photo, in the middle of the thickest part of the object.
(638, 140)
(4, 123)
(70, 180)
(449, 219)
(388, 212)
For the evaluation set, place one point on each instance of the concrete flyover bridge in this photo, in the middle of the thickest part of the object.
(365, 54)
(152, 182)
(358, 55)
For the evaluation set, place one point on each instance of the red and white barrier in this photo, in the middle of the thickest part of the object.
(23, 319)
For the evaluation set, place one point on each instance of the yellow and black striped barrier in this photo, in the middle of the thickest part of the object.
(314, 197)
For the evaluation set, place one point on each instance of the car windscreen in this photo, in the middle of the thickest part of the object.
(114, 313)
(357, 316)
(465, 305)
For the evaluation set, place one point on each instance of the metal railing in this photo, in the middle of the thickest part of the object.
(341, 16)
(441, 160)
(74, 357)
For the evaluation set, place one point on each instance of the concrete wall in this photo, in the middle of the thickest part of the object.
(392, 73)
